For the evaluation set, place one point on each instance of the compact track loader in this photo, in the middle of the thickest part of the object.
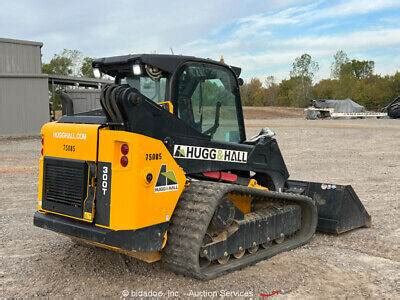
(163, 171)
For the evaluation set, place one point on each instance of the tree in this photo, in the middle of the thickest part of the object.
(326, 89)
(58, 65)
(271, 92)
(359, 69)
(86, 68)
(339, 59)
(253, 93)
(304, 66)
(372, 92)
(289, 91)
(303, 70)
(395, 85)
(65, 63)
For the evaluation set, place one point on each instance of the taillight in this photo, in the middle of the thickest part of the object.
(124, 149)
(124, 161)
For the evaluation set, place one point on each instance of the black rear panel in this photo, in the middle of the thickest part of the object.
(64, 186)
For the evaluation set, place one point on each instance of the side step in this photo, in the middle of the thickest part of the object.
(339, 208)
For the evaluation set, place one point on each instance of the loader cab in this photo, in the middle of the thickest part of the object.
(204, 94)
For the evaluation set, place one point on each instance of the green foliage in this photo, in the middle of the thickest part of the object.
(58, 65)
(271, 92)
(353, 79)
(373, 92)
(339, 59)
(395, 84)
(289, 91)
(304, 67)
(359, 69)
(64, 63)
(326, 89)
(86, 68)
(301, 77)
(254, 93)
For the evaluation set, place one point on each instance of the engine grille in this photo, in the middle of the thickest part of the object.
(64, 186)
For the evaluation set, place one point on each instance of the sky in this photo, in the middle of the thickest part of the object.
(261, 37)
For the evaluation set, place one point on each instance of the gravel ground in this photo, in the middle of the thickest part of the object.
(364, 262)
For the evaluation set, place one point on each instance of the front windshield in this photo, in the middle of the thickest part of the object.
(154, 89)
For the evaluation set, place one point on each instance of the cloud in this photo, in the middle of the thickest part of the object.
(354, 40)
(266, 44)
(264, 37)
(106, 27)
(357, 7)
(321, 11)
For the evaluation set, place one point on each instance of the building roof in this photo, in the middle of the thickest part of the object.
(22, 42)
(77, 81)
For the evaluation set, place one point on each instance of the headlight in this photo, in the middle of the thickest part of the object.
(96, 73)
(137, 70)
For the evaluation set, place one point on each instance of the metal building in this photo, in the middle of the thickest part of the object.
(24, 95)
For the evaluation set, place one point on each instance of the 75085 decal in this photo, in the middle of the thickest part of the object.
(69, 148)
(153, 156)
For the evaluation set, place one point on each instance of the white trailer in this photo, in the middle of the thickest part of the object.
(313, 113)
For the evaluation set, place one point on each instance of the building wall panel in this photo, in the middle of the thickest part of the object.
(20, 57)
(24, 105)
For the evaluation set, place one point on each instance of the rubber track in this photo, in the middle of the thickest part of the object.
(193, 214)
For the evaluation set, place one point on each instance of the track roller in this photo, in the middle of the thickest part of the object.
(253, 249)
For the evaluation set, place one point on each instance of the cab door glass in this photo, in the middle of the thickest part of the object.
(207, 101)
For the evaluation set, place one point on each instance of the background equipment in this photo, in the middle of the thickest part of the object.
(393, 108)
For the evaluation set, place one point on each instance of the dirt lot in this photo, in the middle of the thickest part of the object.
(270, 112)
(365, 262)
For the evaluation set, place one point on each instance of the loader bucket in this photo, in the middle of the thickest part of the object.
(339, 208)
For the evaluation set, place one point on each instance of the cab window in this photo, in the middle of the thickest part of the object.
(154, 89)
(206, 100)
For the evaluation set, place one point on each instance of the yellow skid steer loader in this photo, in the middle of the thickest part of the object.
(163, 171)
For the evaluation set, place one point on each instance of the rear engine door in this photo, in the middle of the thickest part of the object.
(68, 169)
